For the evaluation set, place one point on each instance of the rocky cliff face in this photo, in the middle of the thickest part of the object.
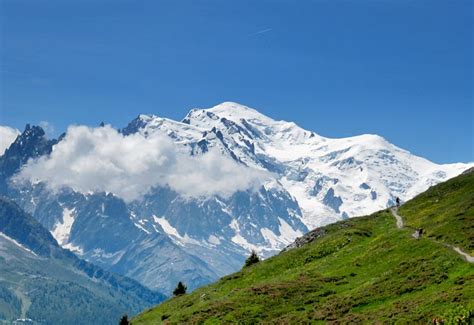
(30, 144)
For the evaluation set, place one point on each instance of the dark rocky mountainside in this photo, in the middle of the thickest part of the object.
(38, 278)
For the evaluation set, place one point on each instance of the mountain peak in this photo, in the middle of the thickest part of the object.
(137, 123)
(31, 143)
(227, 110)
(232, 110)
(146, 117)
(32, 131)
(232, 106)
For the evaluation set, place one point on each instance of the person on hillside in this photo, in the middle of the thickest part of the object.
(398, 202)
(417, 234)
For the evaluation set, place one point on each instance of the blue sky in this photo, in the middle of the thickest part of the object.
(399, 68)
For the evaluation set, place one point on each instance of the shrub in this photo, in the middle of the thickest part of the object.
(180, 289)
(124, 320)
(252, 259)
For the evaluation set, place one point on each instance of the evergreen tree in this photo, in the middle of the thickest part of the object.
(252, 259)
(180, 289)
(124, 320)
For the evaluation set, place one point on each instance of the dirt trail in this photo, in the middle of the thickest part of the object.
(400, 225)
(468, 257)
(399, 219)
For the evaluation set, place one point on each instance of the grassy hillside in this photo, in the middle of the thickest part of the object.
(360, 270)
(445, 212)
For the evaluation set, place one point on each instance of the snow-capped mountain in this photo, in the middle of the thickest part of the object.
(329, 178)
(167, 235)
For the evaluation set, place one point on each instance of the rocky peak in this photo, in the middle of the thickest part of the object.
(32, 143)
(134, 125)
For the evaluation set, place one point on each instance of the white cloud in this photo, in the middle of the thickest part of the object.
(7, 136)
(101, 159)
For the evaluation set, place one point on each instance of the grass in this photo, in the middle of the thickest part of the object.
(361, 270)
(445, 212)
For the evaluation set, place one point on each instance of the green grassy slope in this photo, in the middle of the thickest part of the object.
(445, 212)
(361, 270)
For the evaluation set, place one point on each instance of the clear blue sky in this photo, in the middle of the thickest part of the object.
(399, 68)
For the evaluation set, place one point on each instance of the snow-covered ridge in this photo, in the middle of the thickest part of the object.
(330, 178)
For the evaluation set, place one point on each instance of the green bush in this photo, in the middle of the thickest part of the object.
(252, 259)
(180, 289)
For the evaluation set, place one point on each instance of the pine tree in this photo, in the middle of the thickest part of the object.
(252, 259)
(180, 289)
(124, 320)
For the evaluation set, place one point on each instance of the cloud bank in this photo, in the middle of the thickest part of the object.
(7, 136)
(103, 160)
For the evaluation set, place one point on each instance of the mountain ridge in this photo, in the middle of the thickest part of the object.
(36, 274)
(315, 181)
(204, 120)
